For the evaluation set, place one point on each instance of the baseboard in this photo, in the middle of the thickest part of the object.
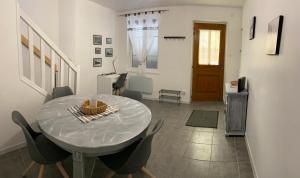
(12, 148)
(251, 157)
(157, 99)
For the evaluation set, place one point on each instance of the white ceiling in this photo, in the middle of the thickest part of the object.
(126, 5)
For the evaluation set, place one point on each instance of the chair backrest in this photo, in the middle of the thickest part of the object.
(121, 81)
(30, 136)
(61, 91)
(141, 154)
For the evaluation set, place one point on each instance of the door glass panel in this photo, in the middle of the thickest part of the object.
(209, 47)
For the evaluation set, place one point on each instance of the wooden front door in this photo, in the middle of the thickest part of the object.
(208, 62)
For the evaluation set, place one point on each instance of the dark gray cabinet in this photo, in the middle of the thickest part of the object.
(236, 113)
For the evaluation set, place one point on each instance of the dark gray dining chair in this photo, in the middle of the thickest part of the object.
(136, 95)
(133, 158)
(119, 83)
(41, 150)
(61, 91)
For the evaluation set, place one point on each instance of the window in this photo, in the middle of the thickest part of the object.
(143, 40)
(151, 60)
(209, 47)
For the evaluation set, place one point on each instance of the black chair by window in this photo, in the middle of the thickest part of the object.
(119, 83)
(133, 158)
(41, 149)
(62, 91)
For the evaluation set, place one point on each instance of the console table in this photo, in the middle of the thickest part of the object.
(236, 111)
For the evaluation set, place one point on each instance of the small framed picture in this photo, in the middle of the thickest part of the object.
(108, 40)
(97, 50)
(108, 52)
(97, 39)
(252, 28)
(97, 62)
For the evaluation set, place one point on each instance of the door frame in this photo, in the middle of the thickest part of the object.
(192, 53)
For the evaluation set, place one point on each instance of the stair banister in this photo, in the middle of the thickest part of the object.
(41, 54)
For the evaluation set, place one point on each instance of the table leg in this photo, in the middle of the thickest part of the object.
(78, 165)
(83, 166)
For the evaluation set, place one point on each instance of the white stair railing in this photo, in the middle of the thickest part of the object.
(45, 69)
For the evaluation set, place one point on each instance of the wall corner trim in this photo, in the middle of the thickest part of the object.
(254, 170)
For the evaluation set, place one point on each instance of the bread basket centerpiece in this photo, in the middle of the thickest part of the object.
(93, 107)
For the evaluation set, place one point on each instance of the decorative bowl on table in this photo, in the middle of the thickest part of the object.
(89, 109)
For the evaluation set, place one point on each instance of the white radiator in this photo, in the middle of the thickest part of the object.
(141, 83)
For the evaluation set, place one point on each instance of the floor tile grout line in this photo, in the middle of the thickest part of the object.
(211, 152)
(22, 158)
(237, 159)
(238, 165)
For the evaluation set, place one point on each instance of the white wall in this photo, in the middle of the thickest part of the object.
(57, 19)
(67, 24)
(45, 13)
(273, 108)
(14, 95)
(92, 18)
(175, 56)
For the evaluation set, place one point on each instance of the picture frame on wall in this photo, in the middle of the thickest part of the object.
(97, 62)
(97, 50)
(252, 28)
(274, 35)
(108, 40)
(108, 52)
(97, 39)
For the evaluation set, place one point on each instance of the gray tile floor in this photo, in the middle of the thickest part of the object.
(178, 151)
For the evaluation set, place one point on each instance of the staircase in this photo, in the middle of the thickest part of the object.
(42, 65)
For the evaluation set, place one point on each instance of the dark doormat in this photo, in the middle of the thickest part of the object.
(208, 119)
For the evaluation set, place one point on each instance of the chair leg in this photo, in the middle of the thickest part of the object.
(147, 172)
(28, 168)
(110, 174)
(41, 172)
(130, 176)
(62, 170)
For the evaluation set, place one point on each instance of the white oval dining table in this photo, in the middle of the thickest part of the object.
(106, 135)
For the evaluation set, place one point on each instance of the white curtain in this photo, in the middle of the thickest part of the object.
(209, 47)
(142, 31)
